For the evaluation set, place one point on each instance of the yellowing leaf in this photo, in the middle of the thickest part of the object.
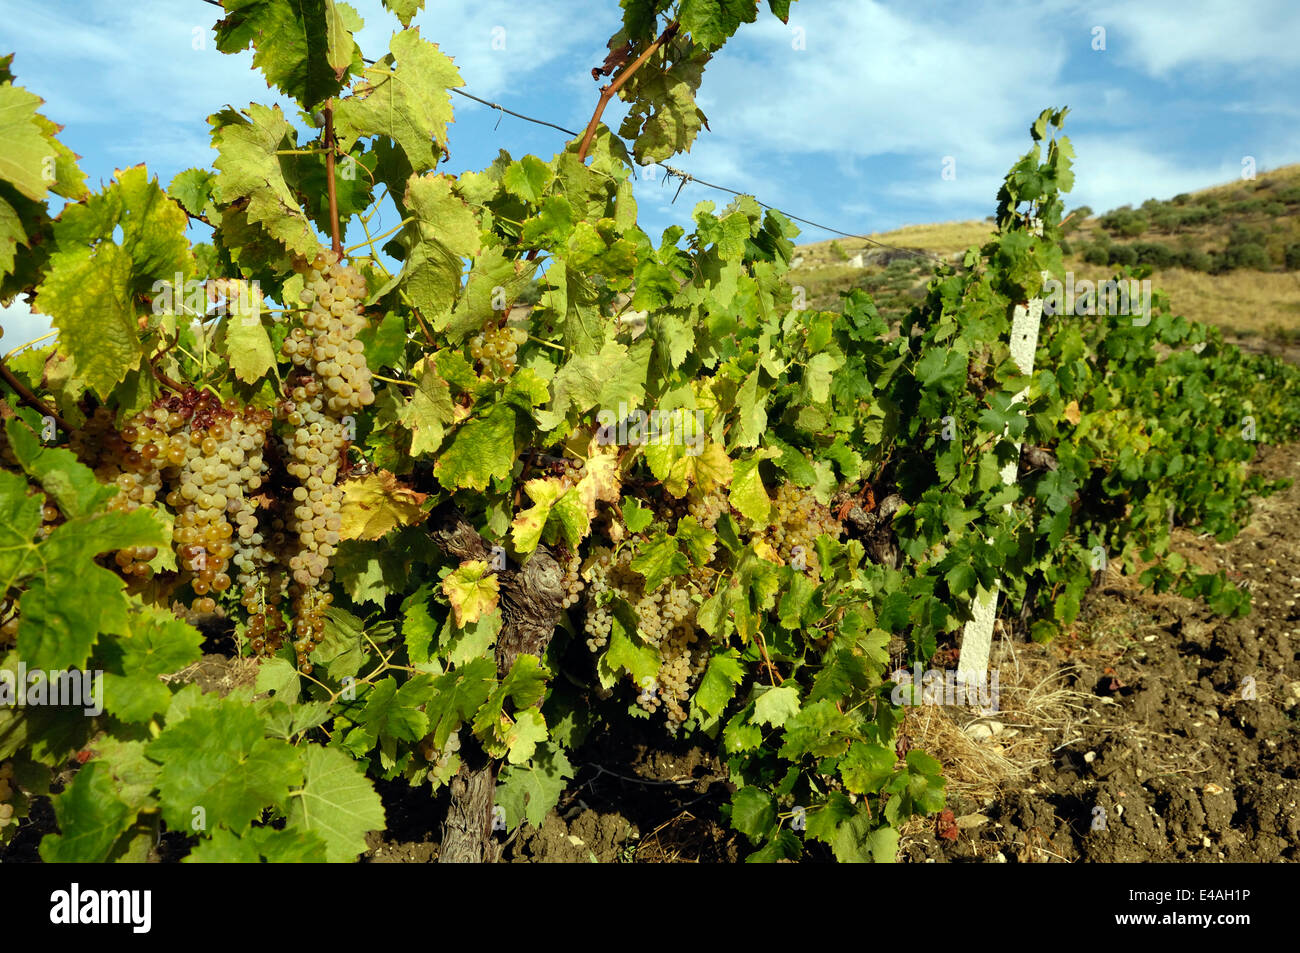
(1072, 413)
(765, 551)
(526, 530)
(554, 500)
(600, 479)
(376, 504)
(472, 591)
(706, 470)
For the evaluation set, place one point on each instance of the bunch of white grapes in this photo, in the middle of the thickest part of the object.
(798, 520)
(328, 346)
(496, 349)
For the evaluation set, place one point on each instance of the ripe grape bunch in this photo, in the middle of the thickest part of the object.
(331, 380)
(496, 349)
(204, 457)
(328, 346)
(665, 619)
(800, 519)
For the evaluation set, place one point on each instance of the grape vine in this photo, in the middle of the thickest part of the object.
(399, 491)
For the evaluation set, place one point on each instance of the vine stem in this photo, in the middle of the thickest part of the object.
(30, 399)
(330, 146)
(378, 238)
(608, 92)
(23, 347)
(163, 378)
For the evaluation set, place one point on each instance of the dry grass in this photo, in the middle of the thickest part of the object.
(1278, 178)
(1248, 303)
(1037, 712)
(942, 237)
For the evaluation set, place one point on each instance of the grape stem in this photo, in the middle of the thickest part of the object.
(773, 675)
(30, 399)
(163, 378)
(23, 347)
(371, 241)
(331, 145)
(608, 92)
(390, 380)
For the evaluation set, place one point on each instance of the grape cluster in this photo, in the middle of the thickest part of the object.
(665, 618)
(99, 446)
(572, 582)
(314, 448)
(6, 792)
(799, 520)
(331, 381)
(496, 349)
(328, 346)
(707, 508)
(206, 455)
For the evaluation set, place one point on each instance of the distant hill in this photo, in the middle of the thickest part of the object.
(1228, 255)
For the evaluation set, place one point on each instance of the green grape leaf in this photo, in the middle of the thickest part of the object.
(337, 803)
(626, 652)
(774, 705)
(405, 10)
(752, 813)
(397, 712)
(91, 817)
(58, 632)
(248, 345)
(72, 485)
(635, 516)
(530, 792)
(662, 118)
(409, 103)
(192, 189)
(300, 47)
(659, 559)
(250, 169)
(457, 695)
(219, 770)
(257, 845)
(429, 412)
(867, 767)
(718, 685)
(747, 493)
(480, 449)
(528, 731)
(27, 150)
(445, 230)
(87, 293)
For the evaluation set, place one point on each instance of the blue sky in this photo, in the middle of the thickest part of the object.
(845, 116)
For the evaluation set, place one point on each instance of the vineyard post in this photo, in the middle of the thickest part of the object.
(977, 637)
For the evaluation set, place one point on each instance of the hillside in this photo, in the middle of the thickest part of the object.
(1227, 255)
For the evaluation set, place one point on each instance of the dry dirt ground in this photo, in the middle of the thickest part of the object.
(1157, 732)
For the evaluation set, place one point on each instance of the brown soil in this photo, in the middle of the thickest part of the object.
(1166, 760)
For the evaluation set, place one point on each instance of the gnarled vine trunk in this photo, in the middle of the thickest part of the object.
(531, 599)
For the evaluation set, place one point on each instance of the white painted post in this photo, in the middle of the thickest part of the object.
(977, 637)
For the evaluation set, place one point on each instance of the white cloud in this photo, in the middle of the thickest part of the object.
(1161, 36)
(499, 46)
